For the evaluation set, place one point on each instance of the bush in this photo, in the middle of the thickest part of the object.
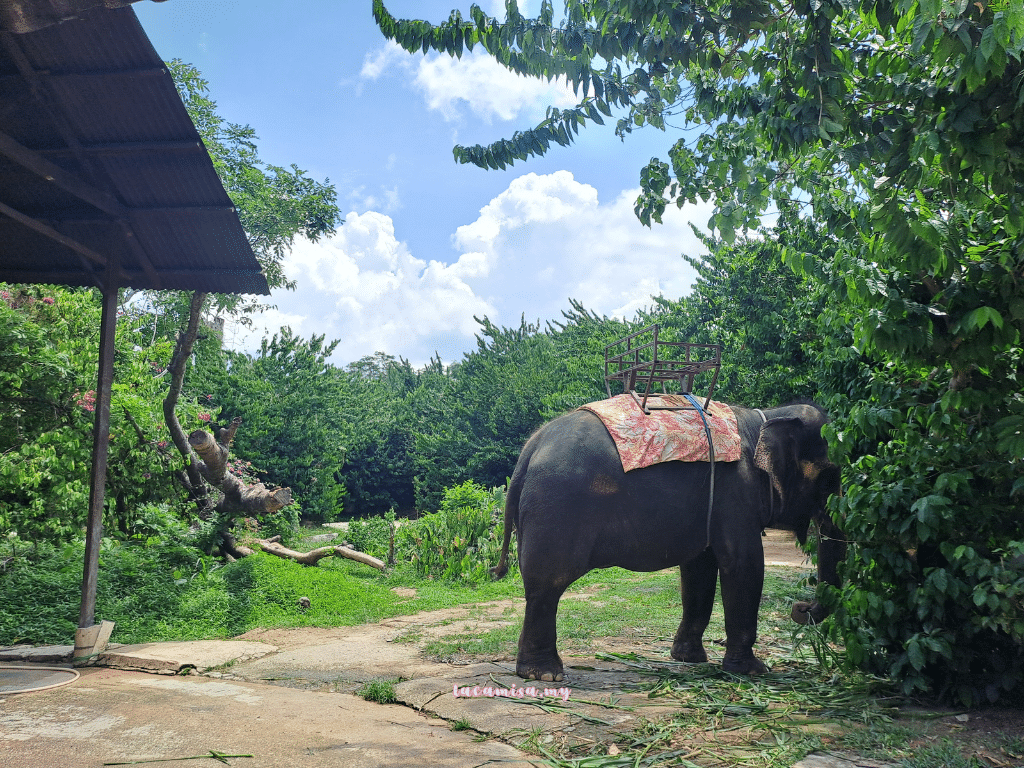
(159, 591)
(463, 539)
(373, 535)
(934, 597)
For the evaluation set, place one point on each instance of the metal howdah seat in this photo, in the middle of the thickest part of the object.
(641, 361)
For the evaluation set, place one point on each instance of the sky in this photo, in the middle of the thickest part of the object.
(427, 244)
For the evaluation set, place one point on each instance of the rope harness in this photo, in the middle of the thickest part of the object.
(711, 459)
(771, 491)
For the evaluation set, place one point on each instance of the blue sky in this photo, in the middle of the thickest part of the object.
(427, 243)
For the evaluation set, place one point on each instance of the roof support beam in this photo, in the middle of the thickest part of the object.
(70, 183)
(126, 148)
(53, 234)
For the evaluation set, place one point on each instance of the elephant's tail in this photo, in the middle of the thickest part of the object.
(515, 490)
(511, 508)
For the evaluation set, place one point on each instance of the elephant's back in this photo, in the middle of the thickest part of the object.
(575, 442)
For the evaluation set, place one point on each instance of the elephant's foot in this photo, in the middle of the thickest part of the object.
(547, 671)
(690, 652)
(748, 664)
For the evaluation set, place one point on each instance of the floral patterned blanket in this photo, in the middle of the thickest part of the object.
(645, 439)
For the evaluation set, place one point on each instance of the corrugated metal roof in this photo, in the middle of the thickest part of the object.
(22, 16)
(99, 159)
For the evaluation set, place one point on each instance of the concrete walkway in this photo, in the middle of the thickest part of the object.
(111, 715)
(167, 701)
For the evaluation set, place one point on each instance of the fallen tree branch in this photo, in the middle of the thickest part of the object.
(316, 555)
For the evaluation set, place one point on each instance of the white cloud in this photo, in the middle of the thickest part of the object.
(548, 238)
(384, 58)
(364, 287)
(476, 82)
(543, 240)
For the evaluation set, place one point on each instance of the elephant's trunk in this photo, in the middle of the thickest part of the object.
(831, 551)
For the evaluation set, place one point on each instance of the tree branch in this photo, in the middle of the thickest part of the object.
(182, 352)
(314, 556)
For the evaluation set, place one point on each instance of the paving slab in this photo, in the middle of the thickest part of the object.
(592, 705)
(44, 654)
(174, 658)
(116, 715)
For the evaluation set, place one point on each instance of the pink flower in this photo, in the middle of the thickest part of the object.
(204, 417)
(48, 300)
(87, 401)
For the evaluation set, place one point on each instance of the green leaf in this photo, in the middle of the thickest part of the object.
(980, 317)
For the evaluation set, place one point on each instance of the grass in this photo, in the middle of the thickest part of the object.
(156, 593)
(380, 690)
(618, 603)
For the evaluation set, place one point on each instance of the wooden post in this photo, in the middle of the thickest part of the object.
(100, 442)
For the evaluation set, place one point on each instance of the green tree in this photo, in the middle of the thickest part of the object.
(763, 314)
(48, 358)
(480, 422)
(294, 405)
(44, 432)
(896, 124)
(580, 338)
(380, 471)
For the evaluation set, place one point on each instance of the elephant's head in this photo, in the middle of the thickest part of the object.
(800, 478)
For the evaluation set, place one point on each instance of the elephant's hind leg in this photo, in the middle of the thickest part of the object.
(698, 580)
(538, 657)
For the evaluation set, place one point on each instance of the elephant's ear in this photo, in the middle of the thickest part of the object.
(776, 454)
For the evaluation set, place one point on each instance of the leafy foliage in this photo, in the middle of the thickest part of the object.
(463, 539)
(493, 403)
(763, 314)
(48, 361)
(161, 589)
(293, 405)
(373, 535)
(388, 396)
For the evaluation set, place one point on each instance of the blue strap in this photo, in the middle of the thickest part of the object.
(711, 458)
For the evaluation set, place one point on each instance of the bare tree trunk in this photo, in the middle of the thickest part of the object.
(206, 457)
(191, 478)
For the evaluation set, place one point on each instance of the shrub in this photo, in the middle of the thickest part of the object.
(158, 591)
(373, 535)
(463, 539)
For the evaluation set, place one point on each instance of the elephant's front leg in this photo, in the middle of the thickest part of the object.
(698, 579)
(742, 585)
(538, 657)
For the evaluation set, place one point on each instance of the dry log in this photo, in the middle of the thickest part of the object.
(359, 557)
(316, 555)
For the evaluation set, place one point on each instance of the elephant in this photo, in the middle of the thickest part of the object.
(574, 509)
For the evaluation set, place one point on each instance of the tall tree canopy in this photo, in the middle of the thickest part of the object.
(896, 125)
